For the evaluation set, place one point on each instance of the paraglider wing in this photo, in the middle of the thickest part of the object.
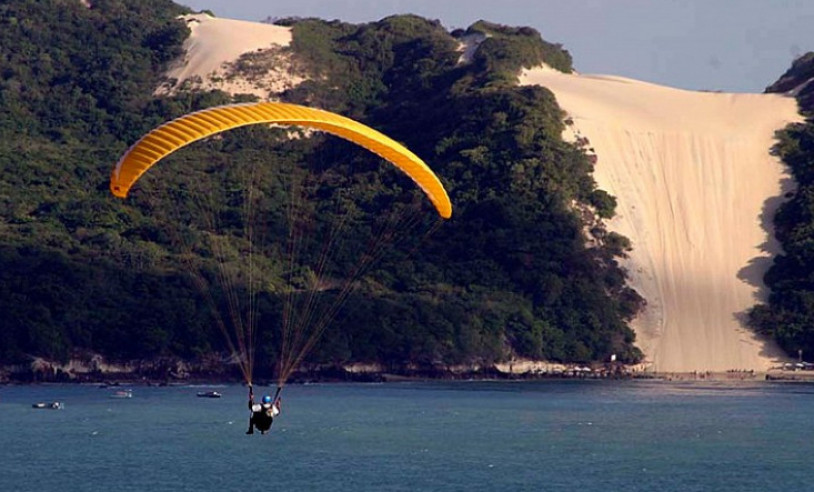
(182, 131)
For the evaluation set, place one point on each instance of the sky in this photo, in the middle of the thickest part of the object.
(726, 45)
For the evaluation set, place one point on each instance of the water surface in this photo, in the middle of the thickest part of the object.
(440, 436)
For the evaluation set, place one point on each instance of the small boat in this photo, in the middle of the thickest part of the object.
(209, 394)
(54, 405)
(122, 394)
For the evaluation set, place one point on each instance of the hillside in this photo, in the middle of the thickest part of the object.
(524, 269)
(788, 314)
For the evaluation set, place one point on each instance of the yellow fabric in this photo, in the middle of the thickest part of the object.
(182, 131)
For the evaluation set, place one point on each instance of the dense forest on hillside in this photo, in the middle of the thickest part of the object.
(788, 316)
(513, 273)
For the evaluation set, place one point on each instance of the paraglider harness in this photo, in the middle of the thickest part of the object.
(262, 416)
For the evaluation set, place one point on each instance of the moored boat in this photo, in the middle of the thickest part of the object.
(54, 405)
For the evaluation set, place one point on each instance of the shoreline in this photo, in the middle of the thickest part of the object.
(367, 374)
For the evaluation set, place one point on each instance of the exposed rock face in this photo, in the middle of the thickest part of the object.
(93, 367)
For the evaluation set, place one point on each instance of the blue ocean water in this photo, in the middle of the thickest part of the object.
(438, 436)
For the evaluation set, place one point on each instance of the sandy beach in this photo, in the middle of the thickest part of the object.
(697, 189)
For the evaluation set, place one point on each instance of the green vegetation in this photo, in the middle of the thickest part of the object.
(801, 71)
(506, 49)
(788, 316)
(511, 273)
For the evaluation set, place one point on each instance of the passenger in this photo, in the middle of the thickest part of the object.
(262, 416)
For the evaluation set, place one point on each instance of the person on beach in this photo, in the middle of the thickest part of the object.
(262, 416)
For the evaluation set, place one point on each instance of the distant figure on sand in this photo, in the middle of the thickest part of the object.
(263, 413)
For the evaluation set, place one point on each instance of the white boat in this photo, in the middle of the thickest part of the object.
(122, 394)
(209, 394)
(54, 405)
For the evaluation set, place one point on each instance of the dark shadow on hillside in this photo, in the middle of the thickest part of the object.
(757, 267)
(755, 270)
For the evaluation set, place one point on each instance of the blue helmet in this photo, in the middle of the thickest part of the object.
(267, 399)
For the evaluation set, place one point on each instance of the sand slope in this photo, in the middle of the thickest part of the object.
(214, 47)
(696, 190)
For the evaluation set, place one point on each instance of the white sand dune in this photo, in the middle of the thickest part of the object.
(215, 45)
(696, 189)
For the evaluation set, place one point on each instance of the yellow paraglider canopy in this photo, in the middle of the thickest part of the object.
(182, 131)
